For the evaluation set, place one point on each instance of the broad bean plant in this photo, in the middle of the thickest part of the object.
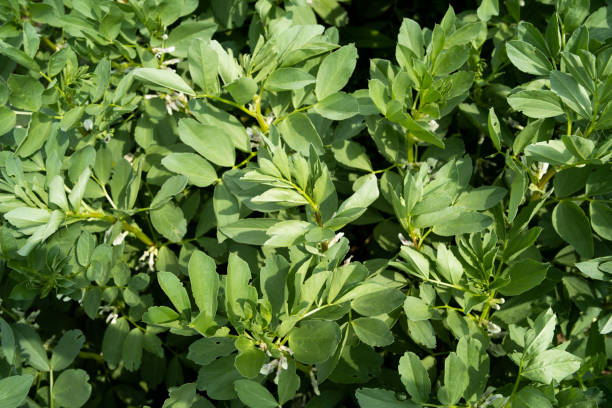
(227, 203)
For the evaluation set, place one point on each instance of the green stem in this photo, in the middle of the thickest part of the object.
(260, 119)
(111, 219)
(245, 161)
(51, 402)
(385, 169)
(450, 285)
(516, 384)
(303, 108)
(228, 102)
(542, 183)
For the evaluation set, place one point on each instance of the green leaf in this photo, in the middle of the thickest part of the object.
(171, 187)
(25, 92)
(481, 198)
(376, 302)
(131, 353)
(572, 93)
(78, 190)
(528, 58)
(448, 265)
(18, 56)
(475, 357)
(203, 66)
(549, 365)
(411, 36)
(288, 383)
(379, 398)
(553, 152)
(487, 9)
(174, 289)
(7, 343)
(373, 332)
(14, 390)
(204, 282)
(414, 376)
(422, 332)
(205, 351)
(242, 90)
(224, 123)
(282, 196)
(31, 346)
(337, 106)
(160, 315)
(182, 397)
(164, 78)
(351, 154)
(395, 113)
(238, 292)
(112, 342)
(459, 221)
(314, 341)
(289, 79)
(206, 140)
(450, 60)
(572, 225)
(254, 395)
(252, 231)
(72, 389)
(416, 309)
(335, 71)
(529, 397)
(67, 349)
(601, 219)
(536, 103)
(8, 119)
(354, 206)
(524, 275)
(540, 336)
(249, 361)
(40, 130)
(455, 380)
(494, 129)
(217, 379)
(300, 134)
(169, 221)
(198, 170)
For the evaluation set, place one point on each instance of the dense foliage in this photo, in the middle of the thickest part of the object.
(305, 203)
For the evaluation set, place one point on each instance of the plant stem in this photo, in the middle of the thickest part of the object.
(51, 403)
(303, 108)
(245, 161)
(111, 219)
(542, 183)
(260, 119)
(516, 384)
(228, 102)
(450, 285)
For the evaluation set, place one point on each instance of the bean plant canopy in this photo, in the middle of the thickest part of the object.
(305, 203)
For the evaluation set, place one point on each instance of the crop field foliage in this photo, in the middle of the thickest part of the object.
(305, 203)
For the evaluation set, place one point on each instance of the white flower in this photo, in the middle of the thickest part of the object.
(404, 241)
(314, 382)
(335, 240)
(88, 124)
(120, 238)
(268, 368)
(149, 256)
(492, 328)
(165, 37)
(112, 318)
(160, 51)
